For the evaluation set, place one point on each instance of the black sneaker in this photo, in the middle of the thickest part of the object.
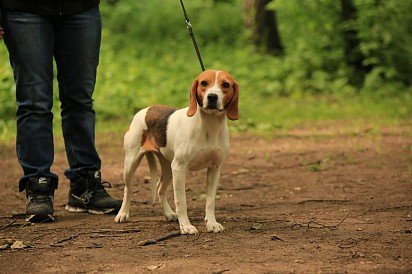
(87, 194)
(39, 199)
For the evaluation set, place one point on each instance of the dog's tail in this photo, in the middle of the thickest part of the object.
(151, 160)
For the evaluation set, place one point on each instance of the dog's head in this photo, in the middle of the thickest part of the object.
(215, 92)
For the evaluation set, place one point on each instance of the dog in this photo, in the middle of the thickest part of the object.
(192, 138)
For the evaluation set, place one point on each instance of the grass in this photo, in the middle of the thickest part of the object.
(137, 75)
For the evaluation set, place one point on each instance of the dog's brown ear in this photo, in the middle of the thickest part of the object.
(193, 102)
(232, 111)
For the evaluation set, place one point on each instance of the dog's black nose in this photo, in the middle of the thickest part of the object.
(212, 97)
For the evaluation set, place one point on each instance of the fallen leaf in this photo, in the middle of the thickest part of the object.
(3, 247)
(18, 245)
(299, 261)
(240, 171)
(257, 226)
(243, 170)
(251, 155)
(153, 267)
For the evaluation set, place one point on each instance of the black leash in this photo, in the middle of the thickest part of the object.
(189, 28)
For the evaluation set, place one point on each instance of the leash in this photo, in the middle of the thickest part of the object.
(189, 28)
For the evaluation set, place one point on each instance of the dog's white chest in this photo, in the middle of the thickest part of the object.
(206, 158)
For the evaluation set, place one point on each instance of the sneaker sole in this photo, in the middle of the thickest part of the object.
(40, 218)
(74, 209)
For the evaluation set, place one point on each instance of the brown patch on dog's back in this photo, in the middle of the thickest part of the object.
(156, 120)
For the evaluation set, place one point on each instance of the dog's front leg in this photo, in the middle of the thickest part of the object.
(179, 173)
(213, 175)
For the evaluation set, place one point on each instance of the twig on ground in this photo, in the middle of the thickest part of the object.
(19, 224)
(159, 239)
(103, 235)
(99, 232)
(237, 188)
(108, 230)
(302, 164)
(319, 225)
(323, 201)
(7, 225)
(68, 238)
(272, 221)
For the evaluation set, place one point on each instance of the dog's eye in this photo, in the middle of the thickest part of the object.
(203, 84)
(226, 85)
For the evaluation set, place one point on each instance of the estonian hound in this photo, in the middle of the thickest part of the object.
(191, 138)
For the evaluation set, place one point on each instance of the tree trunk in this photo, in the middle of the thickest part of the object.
(263, 26)
(353, 55)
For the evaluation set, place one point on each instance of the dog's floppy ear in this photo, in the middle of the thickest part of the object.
(232, 111)
(193, 101)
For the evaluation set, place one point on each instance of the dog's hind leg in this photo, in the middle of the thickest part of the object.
(133, 155)
(151, 160)
(163, 186)
(134, 152)
(131, 162)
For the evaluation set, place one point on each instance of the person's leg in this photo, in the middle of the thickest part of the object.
(30, 41)
(77, 55)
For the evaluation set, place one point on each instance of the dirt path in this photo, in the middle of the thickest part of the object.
(300, 202)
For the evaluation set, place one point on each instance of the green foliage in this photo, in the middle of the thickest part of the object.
(147, 58)
(312, 34)
(161, 22)
(314, 58)
(386, 41)
(7, 88)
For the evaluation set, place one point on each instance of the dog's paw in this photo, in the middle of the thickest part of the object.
(171, 216)
(121, 217)
(214, 227)
(188, 229)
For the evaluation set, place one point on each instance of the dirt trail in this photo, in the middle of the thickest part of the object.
(301, 202)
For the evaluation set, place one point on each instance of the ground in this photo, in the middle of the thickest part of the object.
(319, 200)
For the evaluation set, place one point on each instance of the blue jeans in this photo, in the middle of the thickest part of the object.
(74, 41)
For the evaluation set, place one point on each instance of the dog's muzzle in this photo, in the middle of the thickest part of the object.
(212, 101)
